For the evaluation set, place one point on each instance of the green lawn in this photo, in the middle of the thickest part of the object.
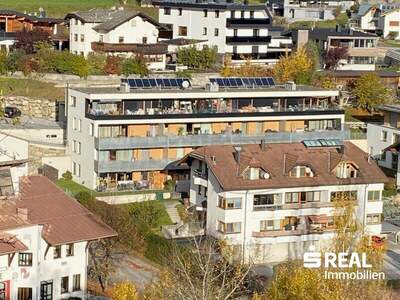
(341, 20)
(31, 88)
(59, 8)
(391, 43)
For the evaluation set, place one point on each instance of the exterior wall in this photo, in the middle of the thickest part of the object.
(279, 248)
(391, 23)
(44, 267)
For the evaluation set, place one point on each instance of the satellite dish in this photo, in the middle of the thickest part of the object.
(308, 170)
(185, 84)
(266, 176)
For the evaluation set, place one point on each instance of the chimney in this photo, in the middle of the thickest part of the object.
(22, 213)
(124, 87)
(262, 145)
(284, 163)
(302, 37)
(238, 150)
(213, 159)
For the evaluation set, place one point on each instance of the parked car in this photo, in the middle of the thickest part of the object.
(11, 112)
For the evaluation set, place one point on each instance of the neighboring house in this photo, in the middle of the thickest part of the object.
(382, 19)
(272, 202)
(300, 10)
(384, 139)
(362, 47)
(117, 32)
(119, 137)
(12, 22)
(240, 30)
(44, 235)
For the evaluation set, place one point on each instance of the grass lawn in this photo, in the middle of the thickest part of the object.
(31, 88)
(391, 43)
(341, 20)
(59, 8)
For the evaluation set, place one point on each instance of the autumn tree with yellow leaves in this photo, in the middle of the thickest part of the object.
(124, 291)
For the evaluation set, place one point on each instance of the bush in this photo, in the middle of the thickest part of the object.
(157, 248)
(124, 291)
(197, 59)
(184, 74)
(84, 198)
(113, 65)
(3, 62)
(134, 65)
(67, 175)
(13, 60)
(97, 63)
(147, 214)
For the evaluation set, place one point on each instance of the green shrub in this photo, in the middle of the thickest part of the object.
(84, 198)
(134, 65)
(197, 59)
(157, 248)
(67, 175)
(184, 74)
(13, 60)
(97, 63)
(3, 62)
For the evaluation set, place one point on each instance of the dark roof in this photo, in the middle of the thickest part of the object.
(29, 17)
(63, 218)
(322, 34)
(221, 4)
(278, 159)
(353, 73)
(389, 107)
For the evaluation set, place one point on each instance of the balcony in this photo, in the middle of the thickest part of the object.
(199, 178)
(198, 140)
(253, 40)
(129, 166)
(242, 22)
(144, 49)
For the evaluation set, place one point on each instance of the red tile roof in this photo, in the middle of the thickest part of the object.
(278, 159)
(63, 218)
(10, 244)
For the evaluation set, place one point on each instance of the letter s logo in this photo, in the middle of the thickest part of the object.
(312, 259)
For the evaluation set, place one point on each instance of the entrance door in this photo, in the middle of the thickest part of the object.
(46, 290)
(24, 293)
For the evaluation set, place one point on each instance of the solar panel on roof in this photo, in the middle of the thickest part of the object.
(239, 82)
(179, 81)
(252, 81)
(167, 82)
(139, 82)
(246, 81)
(322, 143)
(232, 82)
(220, 82)
(264, 81)
(146, 83)
(271, 81)
(258, 81)
(153, 82)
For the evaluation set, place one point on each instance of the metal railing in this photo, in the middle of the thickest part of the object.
(128, 166)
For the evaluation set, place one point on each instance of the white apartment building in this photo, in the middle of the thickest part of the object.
(134, 134)
(44, 236)
(117, 32)
(272, 202)
(237, 29)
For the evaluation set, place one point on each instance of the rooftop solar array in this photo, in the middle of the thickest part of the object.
(141, 83)
(243, 82)
(322, 143)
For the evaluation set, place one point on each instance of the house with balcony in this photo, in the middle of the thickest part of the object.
(133, 135)
(44, 237)
(362, 51)
(117, 32)
(273, 201)
(239, 30)
(384, 139)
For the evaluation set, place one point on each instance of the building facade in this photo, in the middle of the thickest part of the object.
(117, 32)
(128, 134)
(272, 202)
(44, 236)
(237, 30)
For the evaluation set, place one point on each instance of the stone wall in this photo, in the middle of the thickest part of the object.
(37, 108)
(36, 153)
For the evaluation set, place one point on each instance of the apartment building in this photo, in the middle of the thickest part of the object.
(134, 133)
(272, 202)
(117, 32)
(384, 139)
(236, 29)
(382, 19)
(44, 236)
(361, 46)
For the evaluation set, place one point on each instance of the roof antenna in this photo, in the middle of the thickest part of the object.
(284, 163)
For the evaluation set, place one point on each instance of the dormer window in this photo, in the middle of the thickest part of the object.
(346, 170)
(301, 171)
(255, 173)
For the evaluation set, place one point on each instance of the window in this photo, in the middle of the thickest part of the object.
(76, 21)
(121, 39)
(82, 38)
(303, 197)
(256, 32)
(46, 290)
(57, 252)
(144, 40)
(217, 14)
(395, 138)
(346, 170)
(384, 136)
(229, 203)
(235, 32)
(204, 30)
(394, 23)
(383, 155)
(270, 225)
(301, 171)
(167, 11)
(72, 101)
(75, 37)
(216, 32)
(179, 11)
(374, 195)
(232, 14)
(76, 169)
(25, 259)
(262, 201)
(64, 284)
(182, 30)
(373, 219)
(229, 228)
(242, 14)
(76, 284)
(91, 129)
(78, 147)
(251, 14)
(24, 293)
(70, 250)
(345, 195)
(205, 13)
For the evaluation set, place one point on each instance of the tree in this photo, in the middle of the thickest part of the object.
(203, 59)
(113, 65)
(3, 62)
(134, 65)
(248, 69)
(200, 271)
(314, 52)
(297, 67)
(334, 56)
(27, 39)
(124, 291)
(337, 11)
(369, 91)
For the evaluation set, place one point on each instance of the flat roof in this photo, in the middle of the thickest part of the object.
(208, 4)
(390, 107)
(29, 123)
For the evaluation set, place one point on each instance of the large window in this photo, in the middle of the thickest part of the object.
(228, 228)
(303, 197)
(229, 203)
(301, 171)
(76, 285)
(270, 225)
(57, 252)
(25, 259)
(167, 11)
(64, 284)
(70, 250)
(261, 201)
(374, 195)
(384, 136)
(373, 219)
(182, 30)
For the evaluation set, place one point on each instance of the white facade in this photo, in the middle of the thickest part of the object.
(282, 246)
(390, 24)
(383, 20)
(44, 267)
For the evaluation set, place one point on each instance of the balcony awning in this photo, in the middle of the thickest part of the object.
(394, 148)
(319, 219)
